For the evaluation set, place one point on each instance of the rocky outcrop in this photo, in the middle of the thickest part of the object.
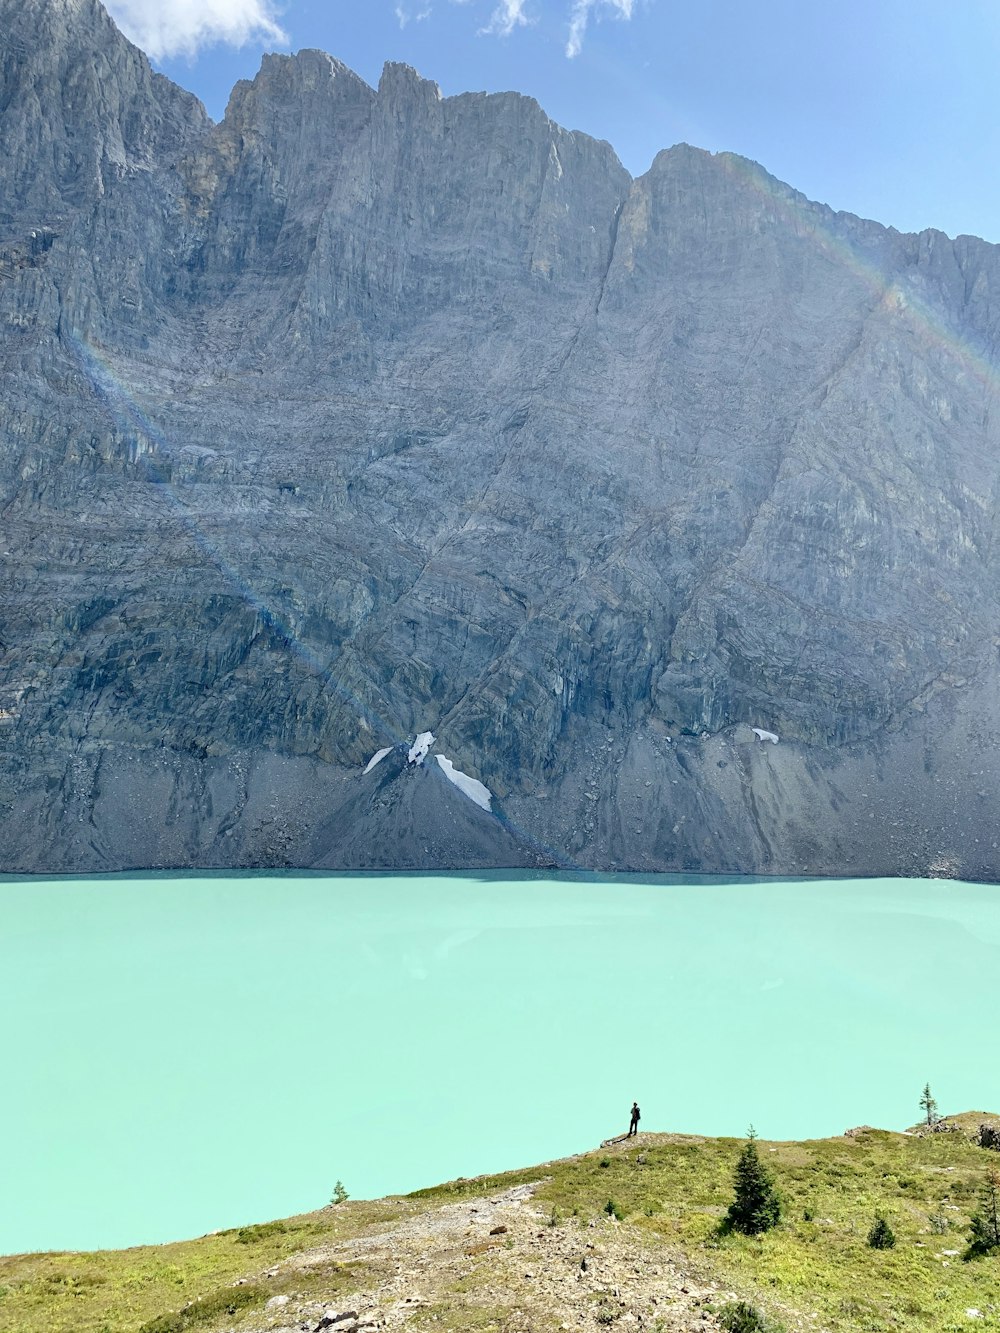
(82, 110)
(581, 1274)
(368, 411)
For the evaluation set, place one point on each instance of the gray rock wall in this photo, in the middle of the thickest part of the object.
(365, 412)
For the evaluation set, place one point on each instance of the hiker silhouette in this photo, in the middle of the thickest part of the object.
(634, 1122)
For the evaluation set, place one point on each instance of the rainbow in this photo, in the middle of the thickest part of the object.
(147, 443)
(928, 324)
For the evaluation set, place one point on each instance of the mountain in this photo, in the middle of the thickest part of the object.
(368, 412)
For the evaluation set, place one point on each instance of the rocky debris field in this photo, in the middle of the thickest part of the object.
(496, 1262)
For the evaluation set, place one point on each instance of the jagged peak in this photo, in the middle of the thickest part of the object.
(733, 173)
(737, 168)
(305, 63)
(31, 9)
(680, 156)
(399, 78)
(123, 116)
(285, 77)
(39, 21)
(682, 151)
(401, 81)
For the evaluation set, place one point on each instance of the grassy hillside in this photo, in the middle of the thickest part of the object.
(541, 1249)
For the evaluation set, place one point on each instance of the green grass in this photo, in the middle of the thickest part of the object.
(816, 1265)
(822, 1266)
(122, 1291)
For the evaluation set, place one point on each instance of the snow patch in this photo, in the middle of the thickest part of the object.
(377, 758)
(420, 747)
(763, 735)
(472, 787)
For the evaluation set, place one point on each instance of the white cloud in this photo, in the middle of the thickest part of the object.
(405, 15)
(580, 16)
(182, 27)
(508, 15)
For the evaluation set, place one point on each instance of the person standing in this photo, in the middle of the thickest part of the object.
(634, 1122)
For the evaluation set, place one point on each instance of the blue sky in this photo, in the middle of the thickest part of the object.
(885, 108)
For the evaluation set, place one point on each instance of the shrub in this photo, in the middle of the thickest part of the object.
(741, 1317)
(859, 1309)
(606, 1311)
(881, 1235)
(756, 1207)
(613, 1210)
(224, 1301)
(263, 1230)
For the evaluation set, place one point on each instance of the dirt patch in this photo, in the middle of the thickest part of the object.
(445, 1270)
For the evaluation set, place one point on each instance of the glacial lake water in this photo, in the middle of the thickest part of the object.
(188, 1053)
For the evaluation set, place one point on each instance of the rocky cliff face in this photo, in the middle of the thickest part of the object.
(366, 412)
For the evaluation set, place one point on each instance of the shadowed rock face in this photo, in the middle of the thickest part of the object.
(366, 412)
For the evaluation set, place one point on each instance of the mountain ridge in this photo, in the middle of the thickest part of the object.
(367, 412)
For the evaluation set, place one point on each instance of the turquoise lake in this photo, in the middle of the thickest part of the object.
(187, 1053)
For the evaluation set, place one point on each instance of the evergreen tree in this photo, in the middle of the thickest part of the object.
(928, 1105)
(756, 1207)
(881, 1236)
(985, 1228)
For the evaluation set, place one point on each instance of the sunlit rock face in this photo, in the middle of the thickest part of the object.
(367, 413)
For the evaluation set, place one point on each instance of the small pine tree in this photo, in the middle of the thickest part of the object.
(340, 1195)
(985, 1225)
(881, 1236)
(756, 1207)
(929, 1106)
(741, 1317)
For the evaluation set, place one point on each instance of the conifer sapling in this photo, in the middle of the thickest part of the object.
(756, 1207)
(985, 1226)
(929, 1106)
(881, 1236)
